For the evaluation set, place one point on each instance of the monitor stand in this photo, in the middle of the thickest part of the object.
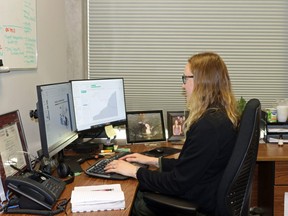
(84, 150)
(71, 161)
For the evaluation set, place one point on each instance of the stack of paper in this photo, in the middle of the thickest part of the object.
(97, 198)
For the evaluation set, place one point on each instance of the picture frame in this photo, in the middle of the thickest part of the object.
(14, 157)
(145, 126)
(175, 125)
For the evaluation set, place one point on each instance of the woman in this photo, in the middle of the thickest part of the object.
(210, 136)
(177, 129)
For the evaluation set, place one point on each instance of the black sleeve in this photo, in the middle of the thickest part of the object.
(167, 164)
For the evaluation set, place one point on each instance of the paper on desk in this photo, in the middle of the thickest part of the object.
(97, 198)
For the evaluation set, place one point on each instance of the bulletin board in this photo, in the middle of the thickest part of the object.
(18, 42)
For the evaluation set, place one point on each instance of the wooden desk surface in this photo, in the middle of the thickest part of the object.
(272, 152)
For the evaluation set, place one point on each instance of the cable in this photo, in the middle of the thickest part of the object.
(13, 208)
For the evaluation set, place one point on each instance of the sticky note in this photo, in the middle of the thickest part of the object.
(110, 132)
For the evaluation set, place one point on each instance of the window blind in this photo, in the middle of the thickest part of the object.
(148, 44)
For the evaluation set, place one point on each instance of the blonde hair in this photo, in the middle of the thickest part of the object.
(212, 88)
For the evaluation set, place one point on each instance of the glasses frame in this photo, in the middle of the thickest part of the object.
(184, 78)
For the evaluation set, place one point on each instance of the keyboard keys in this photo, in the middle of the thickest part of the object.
(97, 169)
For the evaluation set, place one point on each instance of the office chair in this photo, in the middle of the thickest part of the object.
(233, 193)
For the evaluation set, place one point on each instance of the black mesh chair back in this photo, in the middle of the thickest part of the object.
(235, 187)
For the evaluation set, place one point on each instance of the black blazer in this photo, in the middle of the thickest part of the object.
(195, 175)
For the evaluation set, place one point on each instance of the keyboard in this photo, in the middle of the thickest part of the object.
(97, 169)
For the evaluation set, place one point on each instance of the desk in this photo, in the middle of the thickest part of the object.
(271, 179)
(269, 184)
(128, 186)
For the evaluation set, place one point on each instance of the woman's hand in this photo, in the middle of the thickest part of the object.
(140, 158)
(122, 167)
(125, 167)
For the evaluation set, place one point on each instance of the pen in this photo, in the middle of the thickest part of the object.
(108, 189)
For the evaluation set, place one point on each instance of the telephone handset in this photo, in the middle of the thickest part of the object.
(40, 188)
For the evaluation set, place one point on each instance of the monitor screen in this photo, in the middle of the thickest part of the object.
(98, 102)
(56, 117)
(14, 157)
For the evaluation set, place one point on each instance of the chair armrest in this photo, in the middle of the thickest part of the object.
(169, 202)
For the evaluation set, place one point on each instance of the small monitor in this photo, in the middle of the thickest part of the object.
(145, 126)
(13, 147)
(98, 102)
(56, 117)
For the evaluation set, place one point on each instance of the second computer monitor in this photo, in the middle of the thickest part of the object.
(56, 117)
(98, 102)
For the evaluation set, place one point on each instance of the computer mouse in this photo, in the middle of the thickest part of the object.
(159, 150)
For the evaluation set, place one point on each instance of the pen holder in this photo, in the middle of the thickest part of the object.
(109, 145)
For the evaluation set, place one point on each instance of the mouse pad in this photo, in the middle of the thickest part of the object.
(165, 151)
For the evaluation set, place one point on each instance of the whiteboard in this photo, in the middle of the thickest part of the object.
(18, 44)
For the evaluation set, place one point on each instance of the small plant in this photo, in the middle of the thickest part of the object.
(241, 103)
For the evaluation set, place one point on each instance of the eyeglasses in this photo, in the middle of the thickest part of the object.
(184, 78)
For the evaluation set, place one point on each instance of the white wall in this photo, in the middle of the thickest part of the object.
(18, 88)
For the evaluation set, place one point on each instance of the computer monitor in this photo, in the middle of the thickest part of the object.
(98, 102)
(56, 117)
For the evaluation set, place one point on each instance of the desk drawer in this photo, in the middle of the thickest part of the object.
(278, 204)
(281, 173)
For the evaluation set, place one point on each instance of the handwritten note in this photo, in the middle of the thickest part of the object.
(18, 43)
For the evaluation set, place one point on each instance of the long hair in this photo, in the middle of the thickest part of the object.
(212, 88)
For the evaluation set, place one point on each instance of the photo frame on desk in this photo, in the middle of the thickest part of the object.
(145, 126)
(175, 124)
